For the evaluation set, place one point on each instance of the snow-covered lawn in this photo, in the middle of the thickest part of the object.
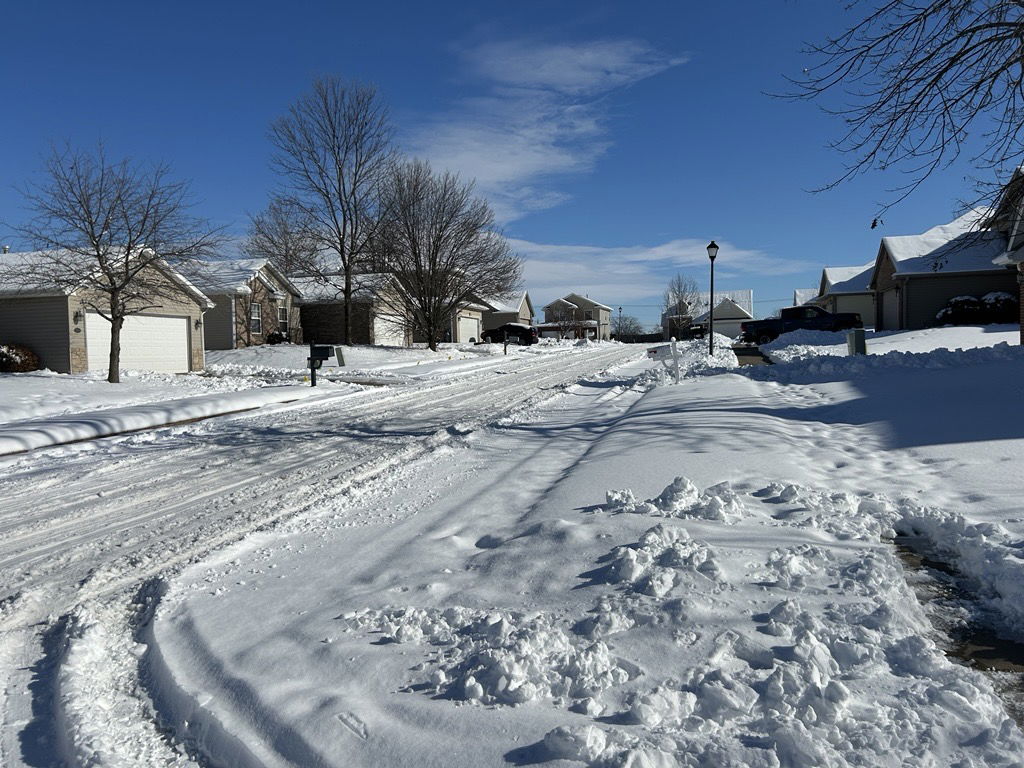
(44, 393)
(631, 575)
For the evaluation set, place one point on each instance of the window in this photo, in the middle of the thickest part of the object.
(588, 314)
(282, 320)
(255, 318)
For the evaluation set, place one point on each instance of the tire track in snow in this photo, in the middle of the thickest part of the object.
(102, 552)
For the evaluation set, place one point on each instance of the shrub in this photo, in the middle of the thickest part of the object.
(1000, 307)
(276, 337)
(961, 310)
(16, 358)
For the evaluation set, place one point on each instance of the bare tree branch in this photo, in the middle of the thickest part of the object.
(922, 78)
(439, 241)
(108, 229)
(331, 151)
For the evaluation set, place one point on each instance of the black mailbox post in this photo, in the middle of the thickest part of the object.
(317, 354)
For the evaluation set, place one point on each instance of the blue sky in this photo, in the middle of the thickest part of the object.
(614, 140)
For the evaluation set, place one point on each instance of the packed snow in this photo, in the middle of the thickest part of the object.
(630, 572)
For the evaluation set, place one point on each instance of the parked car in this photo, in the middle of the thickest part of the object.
(515, 333)
(794, 318)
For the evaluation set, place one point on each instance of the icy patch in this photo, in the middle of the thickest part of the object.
(681, 499)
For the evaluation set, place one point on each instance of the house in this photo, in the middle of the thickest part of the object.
(577, 317)
(69, 336)
(1009, 219)
(378, 312)
(914, 276)
(728, 316)
(675, 320)
(252, 299)
(803, 296)
(511, 308)
(847, 289)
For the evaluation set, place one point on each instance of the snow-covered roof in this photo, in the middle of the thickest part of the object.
(24, 274)
(847, 279)
(587, 299)
(954, 247)
(510, 302)
(573, 323)
(1008, 258)
(744, 297)
(560, 301)
(726, 309)
(232, 276)
(314, 290)
(803, 295)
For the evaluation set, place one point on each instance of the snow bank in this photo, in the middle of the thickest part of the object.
(694, 359)
(801, 344)
(28, 435)
(826, 367)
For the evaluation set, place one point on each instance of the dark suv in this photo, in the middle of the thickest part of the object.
(515, 333)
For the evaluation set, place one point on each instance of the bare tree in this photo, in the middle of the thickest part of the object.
(568, 322)
(283, 234)
(920, 77)
(439, 242)
(108, 230)
(682, 296)
(331, 152)
(626, 325)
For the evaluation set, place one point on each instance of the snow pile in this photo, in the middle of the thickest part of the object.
(500, 657)
(694, 360)
(828, 368)
(801, 344)
(681, 498)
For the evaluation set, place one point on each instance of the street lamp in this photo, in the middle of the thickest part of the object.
(712, 252)
(618, 331)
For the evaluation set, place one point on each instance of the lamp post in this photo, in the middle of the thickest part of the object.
(618, 331)
(712, 252)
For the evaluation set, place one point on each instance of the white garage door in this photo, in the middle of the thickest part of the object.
(388, 333)
(148, 343)
(469, 328)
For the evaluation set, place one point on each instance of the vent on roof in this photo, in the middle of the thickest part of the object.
(7, 249)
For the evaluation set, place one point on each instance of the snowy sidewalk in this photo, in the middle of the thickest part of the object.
(23, 436)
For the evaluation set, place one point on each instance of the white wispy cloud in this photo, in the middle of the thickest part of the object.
(637, 273)
(540, 117)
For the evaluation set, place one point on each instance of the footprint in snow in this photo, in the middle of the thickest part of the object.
(354, 724)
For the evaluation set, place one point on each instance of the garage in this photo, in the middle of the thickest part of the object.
(469, 328)
(388, 333)
(148, 343)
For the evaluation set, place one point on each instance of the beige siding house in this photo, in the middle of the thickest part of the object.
(576, 316)
(378, 315)
(914, 276)
(514, 308)
(67, 333)
(728, 316)
(847, 289)
(253, 300)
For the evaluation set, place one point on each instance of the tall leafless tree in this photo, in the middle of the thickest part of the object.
(682, 296)
(108, 231)
(283, 235)
(626, 326)
(331, 151)
(921, 78)
(438, 239)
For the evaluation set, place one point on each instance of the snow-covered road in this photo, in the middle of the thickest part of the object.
(96, 520)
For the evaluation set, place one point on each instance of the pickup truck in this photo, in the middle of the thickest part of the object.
(794, 318)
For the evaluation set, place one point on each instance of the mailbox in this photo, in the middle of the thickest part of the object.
(660, 353)
(317, 354)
